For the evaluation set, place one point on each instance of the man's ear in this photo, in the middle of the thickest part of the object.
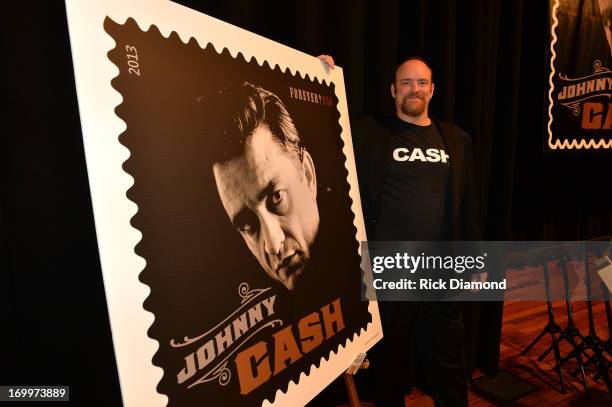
(432, 88)
(393, 90)
(310, 174)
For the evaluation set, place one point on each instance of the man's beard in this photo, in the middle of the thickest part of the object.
(413, 107)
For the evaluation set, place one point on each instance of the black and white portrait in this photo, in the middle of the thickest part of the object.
(267, 182)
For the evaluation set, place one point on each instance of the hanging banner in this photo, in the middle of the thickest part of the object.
(580, 103)
(226, 205)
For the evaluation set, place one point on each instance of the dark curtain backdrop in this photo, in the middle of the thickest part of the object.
(489, 61)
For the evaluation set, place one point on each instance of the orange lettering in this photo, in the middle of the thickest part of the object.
(591, 115)
(332, 317)
(608, 123)
(311, 335)
(285, 349)
(253, 367)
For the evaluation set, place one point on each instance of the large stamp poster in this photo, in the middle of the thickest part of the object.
(226, 206)
(580, 83)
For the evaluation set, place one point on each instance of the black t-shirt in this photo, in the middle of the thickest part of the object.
(413, 199)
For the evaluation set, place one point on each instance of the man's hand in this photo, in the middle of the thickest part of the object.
(329, 61)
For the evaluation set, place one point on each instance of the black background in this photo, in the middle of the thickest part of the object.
(489, 59)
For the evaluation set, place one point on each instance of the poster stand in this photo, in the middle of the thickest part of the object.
(360, 363)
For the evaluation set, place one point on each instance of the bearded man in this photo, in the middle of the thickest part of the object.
(416, 181)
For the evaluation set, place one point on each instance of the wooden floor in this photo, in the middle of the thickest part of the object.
(521, 324)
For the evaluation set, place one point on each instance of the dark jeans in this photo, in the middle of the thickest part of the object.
(423, 345)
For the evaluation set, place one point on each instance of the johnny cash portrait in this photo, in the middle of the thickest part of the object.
(580, 112)
(243, 203)
(266, 180)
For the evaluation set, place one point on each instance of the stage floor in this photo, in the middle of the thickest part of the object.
(521, 324)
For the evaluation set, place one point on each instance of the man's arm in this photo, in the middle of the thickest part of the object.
(470, 219)
(470, 213)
